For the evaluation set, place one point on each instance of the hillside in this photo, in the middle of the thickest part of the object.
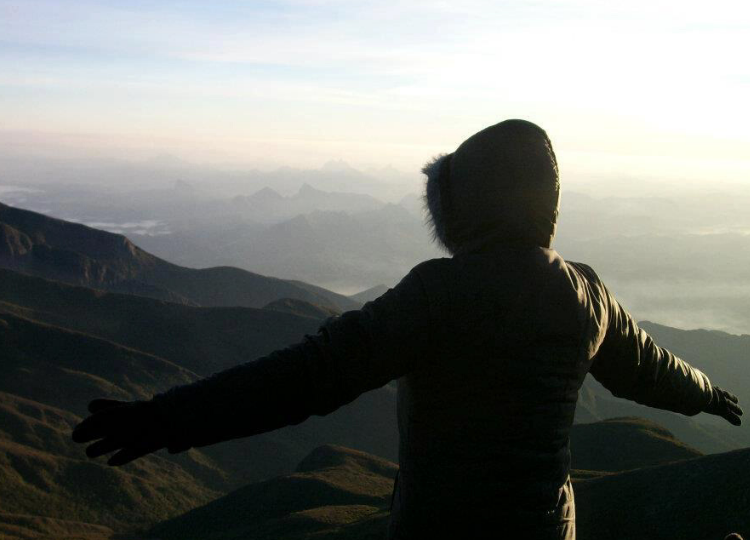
(338, 494)
(622, 444)
(49, 374)
(65, 369)
(369, 294)
(335, 493)
(301, 308)
(698, 499)
(348, 251)
(46, 378)
(203, 340)
(24, 527)
(77, 254)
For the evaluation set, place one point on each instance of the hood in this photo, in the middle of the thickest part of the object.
(500, 186)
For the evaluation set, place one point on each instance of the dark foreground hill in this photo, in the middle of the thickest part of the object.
(334, 493)
(48, 375)
(77, 254)
(697, 499)
(622, 444)
(44, 372)
(340, 494)
(204, 340)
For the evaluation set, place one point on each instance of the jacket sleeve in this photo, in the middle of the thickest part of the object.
(630, 365)
(352, 353)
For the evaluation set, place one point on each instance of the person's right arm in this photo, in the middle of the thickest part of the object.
(353, 353)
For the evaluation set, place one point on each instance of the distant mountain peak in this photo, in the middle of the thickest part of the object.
(337, 165)
(266, 194)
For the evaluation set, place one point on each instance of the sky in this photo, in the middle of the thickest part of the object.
(653, 89)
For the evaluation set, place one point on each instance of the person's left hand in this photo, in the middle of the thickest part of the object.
(726, 405)
(132, 429)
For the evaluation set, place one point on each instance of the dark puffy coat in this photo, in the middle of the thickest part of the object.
(490, 349)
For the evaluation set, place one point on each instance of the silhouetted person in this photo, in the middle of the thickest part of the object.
(489, 346)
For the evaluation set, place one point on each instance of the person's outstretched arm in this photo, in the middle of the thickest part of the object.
(632, 366)
(358, 351)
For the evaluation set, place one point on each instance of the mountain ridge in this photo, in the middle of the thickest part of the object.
(78, 254)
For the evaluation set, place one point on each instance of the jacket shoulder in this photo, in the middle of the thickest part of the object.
(584, 270)
(432, 267)
(434, 273)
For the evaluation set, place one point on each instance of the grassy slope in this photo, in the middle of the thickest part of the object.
(334, 489)
(47, 376)
(203, 339)
(29, 527)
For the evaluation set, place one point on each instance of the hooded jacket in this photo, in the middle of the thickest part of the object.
(489, 346)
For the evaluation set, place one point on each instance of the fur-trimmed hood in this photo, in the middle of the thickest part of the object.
(501, 186)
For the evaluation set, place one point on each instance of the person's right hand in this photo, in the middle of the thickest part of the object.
(726, 405)
(132, 429)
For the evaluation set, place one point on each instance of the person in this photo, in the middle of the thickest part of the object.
(490, 347)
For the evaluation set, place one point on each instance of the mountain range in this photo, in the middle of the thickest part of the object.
(85, 313)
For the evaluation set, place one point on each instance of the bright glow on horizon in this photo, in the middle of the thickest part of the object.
(644, 86)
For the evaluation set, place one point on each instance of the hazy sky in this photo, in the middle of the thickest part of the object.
(652, 87)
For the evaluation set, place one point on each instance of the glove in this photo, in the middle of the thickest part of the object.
(131, 428)
(726, 405)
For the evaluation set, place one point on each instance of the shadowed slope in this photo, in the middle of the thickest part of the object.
(697, 499)
(625, 443)
(204, 340)
(48, 375)
(64, 369)
(45, 478)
